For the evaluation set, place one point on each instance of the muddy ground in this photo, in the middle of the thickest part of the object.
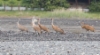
(72, 28)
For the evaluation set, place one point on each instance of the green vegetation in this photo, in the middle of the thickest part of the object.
(46, 4)
(53, 8)
(61, 13)
(95, 6)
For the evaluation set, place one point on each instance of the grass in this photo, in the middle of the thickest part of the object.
(51, 14)
(75, 14)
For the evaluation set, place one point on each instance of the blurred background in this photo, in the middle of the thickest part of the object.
(50, 8)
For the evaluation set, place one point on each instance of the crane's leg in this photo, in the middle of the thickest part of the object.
(21, 31)
(27, 31)
(38, 34)
(41, 31)
(47, 33)
(85, 35)
(56, 33)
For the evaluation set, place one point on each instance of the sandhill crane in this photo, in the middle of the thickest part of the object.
(44, 28)
(87, 27)
(21, 27)
(56, 28)
(36, 27)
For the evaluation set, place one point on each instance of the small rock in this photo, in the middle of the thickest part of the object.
(97, 54)
(96, 21)
(68, 51)
(83, 53)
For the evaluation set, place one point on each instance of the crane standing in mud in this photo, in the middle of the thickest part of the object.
(44, 28)
(56, 28)
(87, 27)
(36, 27)
(21, 27)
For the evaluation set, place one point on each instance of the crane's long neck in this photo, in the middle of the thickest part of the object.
(33, 23)
(82, 24)
(39, 21)
(18, 22)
